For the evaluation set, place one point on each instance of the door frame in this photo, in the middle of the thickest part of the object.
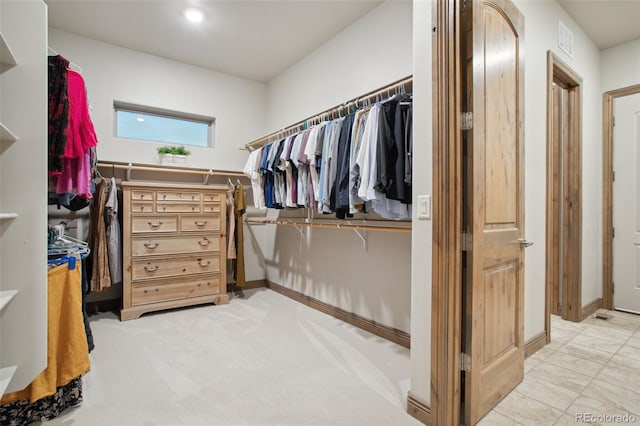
(572, 229)
(607, 189)
(446, 279)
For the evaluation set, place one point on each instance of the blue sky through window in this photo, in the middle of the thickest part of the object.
(151, 127)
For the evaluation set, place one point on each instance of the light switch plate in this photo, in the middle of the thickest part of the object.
(424, 207)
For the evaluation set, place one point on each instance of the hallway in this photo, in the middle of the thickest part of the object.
(590, 370)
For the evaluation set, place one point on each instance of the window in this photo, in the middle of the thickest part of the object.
(163, 126)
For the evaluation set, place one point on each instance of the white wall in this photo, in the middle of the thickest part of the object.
(541, 28)
(422, 184)
(372, 52)
(114, 73)
(332, 265)
(620, 66)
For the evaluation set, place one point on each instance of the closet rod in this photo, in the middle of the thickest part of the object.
(328, 225)
(182, 170)
(408, 81)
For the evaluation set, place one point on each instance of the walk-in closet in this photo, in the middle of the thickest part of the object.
(267, 212)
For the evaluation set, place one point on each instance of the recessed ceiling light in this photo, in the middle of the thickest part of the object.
(141, 119)
(193, 15)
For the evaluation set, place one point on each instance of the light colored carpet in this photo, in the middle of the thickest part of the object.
(261, 360)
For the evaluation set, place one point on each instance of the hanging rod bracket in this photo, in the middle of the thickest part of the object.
(206, 177)
(362, 235)
(129, 168)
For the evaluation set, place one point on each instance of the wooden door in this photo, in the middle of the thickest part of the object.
(626, 203)
(494, 278)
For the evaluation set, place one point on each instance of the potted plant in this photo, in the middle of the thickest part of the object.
(173, 154)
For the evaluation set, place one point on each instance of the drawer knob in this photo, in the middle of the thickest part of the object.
(164, 208)
(193, 208)
(151, 268)
(157, 290)
(151, 246)
(164, 196)
(199, 284)
(193, 197)
(203, 264)
(204, 243)
(200, 223)
(155, 225)
(146, 291)
(141, 208)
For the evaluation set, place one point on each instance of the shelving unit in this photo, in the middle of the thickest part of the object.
(6, 135)
(23, 140)
(7, 59)
(6, 374)
(6, 296)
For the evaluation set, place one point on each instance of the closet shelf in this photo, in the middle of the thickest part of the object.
(5, 297)
(6, 374)
(399, 227)
(8, 215)
(7, 59)
(206, 173)
(6, 135)
(405, 83)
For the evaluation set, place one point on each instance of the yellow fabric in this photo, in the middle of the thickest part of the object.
(67, 351)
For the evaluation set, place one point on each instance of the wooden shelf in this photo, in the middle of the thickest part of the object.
(5, 297)
(8, 216)
(6, 135)
(7, 60)
(6, 374)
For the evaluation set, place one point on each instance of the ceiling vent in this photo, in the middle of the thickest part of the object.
(565, 39)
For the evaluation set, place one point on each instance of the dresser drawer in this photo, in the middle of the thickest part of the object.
(178, 196)
(175, 266)
(212, 197)
(165, 290)
(141, 207)
(153, 224)
(163, 207)
(211, 208)
(155, 245)
(200, 223)
(137, 195)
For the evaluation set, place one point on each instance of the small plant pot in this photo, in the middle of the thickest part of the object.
(167, 158)
(180, 159)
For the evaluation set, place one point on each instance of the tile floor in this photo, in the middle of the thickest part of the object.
(589, 370)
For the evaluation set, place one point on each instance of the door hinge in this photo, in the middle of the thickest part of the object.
(465, 362)
(613, 177)
(467, 241)
(613, 121)
(613, 288)
(466, 121)
(613, 232)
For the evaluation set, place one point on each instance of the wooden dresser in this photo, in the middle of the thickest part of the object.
(174, 246)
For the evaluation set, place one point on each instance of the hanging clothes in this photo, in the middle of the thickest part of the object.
(231, 222)
(240, 207)
(67, 352)
(100, 275)
(113, 235)
(358, 163)
(58, 112)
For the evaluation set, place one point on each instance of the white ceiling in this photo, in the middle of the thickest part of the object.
(606, 22)
(258, 39)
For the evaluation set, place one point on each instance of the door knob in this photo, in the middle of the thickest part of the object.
(524, 243)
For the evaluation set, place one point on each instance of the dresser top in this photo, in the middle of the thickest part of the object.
(164, 185)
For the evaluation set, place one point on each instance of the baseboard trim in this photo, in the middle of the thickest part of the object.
(418, 409)
(591, 308)
(534, 344)
(249, 285)
(400, 337)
